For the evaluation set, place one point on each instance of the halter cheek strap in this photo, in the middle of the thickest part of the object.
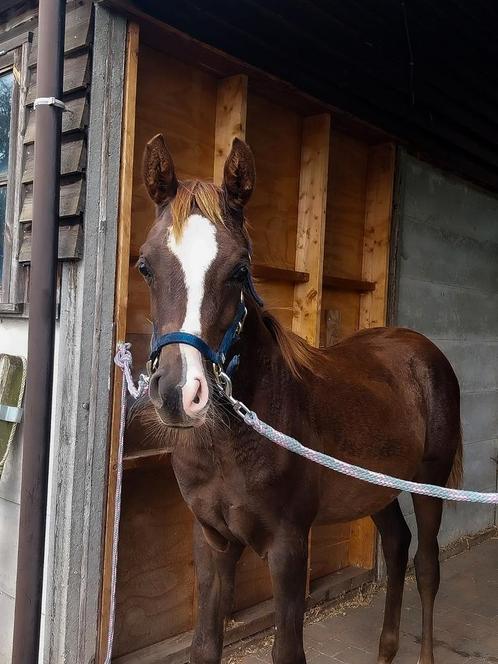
(218, 358)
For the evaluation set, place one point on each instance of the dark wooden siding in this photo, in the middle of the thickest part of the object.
(423, 71)
(77, 74)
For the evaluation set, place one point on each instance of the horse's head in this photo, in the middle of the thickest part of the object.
(195, 261)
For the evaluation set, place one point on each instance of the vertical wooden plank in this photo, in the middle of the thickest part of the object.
(231, 113)
(311, 226)
(362, 543)
(121, 304)
(379, 201)
(373, 305)
(275, 134)
(310, 240)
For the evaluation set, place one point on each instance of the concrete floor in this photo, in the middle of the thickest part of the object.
(466, 620)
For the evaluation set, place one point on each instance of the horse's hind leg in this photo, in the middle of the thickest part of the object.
(396, 537)
(428, 512)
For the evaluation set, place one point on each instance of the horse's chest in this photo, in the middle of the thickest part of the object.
(226, 498)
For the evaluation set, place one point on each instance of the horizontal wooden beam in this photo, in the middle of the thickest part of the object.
(279, 274)
(338, 283)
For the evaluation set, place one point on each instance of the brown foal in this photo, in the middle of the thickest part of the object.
(385, 399)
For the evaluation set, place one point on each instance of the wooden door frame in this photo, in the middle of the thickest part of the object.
(83, 390)
(120, 312)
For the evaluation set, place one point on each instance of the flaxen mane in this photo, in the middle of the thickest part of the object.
(298, 355)
(191, 194)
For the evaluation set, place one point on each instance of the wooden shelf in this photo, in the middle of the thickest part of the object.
(279, 274)
(269, 273)
(145, 459)
(338, 283)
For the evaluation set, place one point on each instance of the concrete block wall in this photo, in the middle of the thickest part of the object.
(447, 276)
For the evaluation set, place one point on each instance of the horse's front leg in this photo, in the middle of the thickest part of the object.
(215, 572)
(288, 557)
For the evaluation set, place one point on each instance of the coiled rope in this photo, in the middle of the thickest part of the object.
(123, 359)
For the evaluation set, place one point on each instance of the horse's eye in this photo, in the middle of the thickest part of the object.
(240, 273)
(144, 269)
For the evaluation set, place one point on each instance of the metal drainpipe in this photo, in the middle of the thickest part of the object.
(42, 308)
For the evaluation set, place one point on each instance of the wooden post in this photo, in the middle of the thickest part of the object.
(378, 211)
(310, 238)
(120, 310)
(373, 304)
(311, 226)
(231, 111)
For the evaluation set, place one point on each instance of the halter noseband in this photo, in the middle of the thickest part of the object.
(218, 358)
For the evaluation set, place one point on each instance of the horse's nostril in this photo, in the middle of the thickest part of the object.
(195, 394)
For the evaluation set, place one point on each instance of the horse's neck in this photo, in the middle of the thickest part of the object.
(262, 365)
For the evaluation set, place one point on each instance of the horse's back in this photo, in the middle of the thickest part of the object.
(385, 392)
(395, 349)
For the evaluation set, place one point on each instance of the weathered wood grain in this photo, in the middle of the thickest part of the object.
(120, 311)
(378, 211)
(73, 159)
(76, 75)
(71, 202)
(231, 113)
(70, 243)
(311, 226)
(75, 119)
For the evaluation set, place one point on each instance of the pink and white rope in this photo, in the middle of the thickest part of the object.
(364, 474)
(123, 360)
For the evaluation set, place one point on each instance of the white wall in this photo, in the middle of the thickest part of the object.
(14, 341)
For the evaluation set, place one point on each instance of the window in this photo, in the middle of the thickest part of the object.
(14, 80)
(6, 98)
(15, 77)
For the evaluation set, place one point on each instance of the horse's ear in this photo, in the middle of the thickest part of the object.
(239, 174)
(159, 171)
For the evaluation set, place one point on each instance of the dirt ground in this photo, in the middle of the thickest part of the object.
(466, 620)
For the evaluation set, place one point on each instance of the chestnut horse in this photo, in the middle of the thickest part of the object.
(385, 399)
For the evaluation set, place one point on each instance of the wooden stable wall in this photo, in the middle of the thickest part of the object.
(319, 220)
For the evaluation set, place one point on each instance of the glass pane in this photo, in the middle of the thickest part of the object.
(3, 200)
(6, 87)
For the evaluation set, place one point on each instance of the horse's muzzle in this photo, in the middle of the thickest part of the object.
(181, 401)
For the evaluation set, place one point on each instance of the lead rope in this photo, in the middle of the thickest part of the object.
(251, 419)
(123, 360)
(364, 474)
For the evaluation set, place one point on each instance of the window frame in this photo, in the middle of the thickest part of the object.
(9, 183)
(13, 277)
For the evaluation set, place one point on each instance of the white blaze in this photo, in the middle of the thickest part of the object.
(196, 249)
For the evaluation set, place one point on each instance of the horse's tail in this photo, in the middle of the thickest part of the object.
(456, 475)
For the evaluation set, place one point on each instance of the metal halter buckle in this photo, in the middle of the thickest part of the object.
(222, 380)
(224, 385)
(243, 319)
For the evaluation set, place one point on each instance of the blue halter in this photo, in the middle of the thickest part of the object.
(218, 358)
